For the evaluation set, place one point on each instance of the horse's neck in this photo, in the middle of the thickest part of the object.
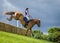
(31, 24)
(34, 21)
(21, 20)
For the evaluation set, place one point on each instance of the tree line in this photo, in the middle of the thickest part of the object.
(53, 34)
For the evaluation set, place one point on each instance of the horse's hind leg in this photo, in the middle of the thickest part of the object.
(26, 32)
(30, 32)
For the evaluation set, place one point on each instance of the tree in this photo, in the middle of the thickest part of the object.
(54, 34)
(54, 29)
(37, 34)
(44, 37)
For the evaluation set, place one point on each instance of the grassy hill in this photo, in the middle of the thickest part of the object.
(14, 38)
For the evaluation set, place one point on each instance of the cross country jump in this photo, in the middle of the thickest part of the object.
(19, 16)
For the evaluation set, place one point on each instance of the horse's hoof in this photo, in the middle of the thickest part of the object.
(25, 34)
(32, 34)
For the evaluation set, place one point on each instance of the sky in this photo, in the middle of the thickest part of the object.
(48, 11)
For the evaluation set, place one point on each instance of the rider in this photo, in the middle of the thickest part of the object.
(27, 13)
(27, 16)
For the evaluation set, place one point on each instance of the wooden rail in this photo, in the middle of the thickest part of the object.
(12, 29)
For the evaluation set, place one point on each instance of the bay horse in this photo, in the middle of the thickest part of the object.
(19, 16)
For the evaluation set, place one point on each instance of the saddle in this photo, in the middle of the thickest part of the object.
(27, 22)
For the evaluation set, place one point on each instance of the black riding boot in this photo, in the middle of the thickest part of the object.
(26, 24)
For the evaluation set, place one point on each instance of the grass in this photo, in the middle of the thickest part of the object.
(14, 38)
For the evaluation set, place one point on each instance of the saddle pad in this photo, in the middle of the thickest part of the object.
(25, 19)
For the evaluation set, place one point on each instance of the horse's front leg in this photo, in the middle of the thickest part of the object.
(10, 18)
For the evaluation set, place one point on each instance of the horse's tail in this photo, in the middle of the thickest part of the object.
(9, 13)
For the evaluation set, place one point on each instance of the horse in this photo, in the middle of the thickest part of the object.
(19, 16)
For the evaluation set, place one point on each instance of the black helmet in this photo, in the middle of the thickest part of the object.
(27, 8)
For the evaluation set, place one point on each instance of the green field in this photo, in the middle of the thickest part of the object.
(14, 38)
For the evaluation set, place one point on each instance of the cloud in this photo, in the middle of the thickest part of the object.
(9, 7)
(48, 11)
